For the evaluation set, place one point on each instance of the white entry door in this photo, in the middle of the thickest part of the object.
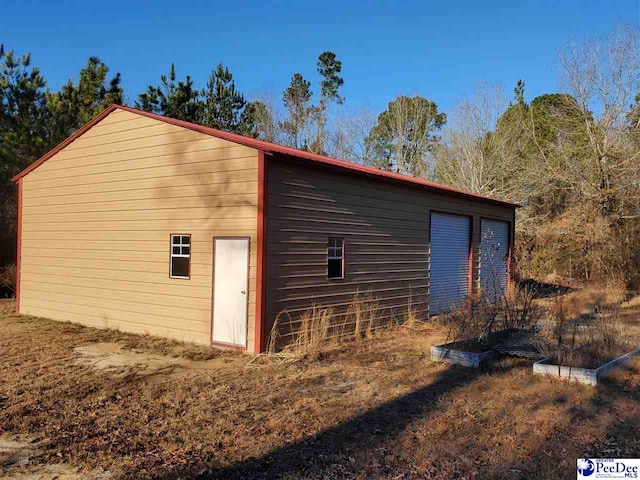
(230, 290)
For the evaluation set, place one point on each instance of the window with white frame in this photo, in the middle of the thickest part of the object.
(180, 256)
(335, 258)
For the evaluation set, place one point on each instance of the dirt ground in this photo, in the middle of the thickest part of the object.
(77, 402)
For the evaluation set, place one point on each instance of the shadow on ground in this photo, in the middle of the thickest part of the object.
(545, 290)
(328, 453)
(614, 406)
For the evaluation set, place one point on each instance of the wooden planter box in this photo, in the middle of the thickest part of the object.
(444, 353)
(582, 375)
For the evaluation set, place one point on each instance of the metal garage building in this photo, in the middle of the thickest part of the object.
(160, 226)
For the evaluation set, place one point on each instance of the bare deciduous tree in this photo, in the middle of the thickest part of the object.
(604, 77)
(347, 137)
(471, 155)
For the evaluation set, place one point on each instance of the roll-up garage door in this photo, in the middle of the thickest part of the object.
(494, 257)
(449, 262)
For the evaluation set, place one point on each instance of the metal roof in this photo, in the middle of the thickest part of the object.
(271, 148)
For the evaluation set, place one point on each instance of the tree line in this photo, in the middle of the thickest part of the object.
(570, 157)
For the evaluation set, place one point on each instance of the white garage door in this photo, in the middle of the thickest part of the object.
(449, 262)
(494, 257)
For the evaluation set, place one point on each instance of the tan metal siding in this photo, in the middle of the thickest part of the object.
(97, 218)
(386, 228)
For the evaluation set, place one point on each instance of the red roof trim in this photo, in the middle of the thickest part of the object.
(267, 147)
(66, 142)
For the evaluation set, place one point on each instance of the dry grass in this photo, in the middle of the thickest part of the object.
(363, 314)
(318, 328)
(7, 307)
(376, 407)
(582, 300)
(313, 333)
(587, 327)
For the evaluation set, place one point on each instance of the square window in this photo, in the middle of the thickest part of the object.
(180, 256)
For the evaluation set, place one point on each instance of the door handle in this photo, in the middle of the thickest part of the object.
(243, 292)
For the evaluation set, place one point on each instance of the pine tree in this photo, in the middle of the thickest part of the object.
(296, 100)
(303, 115)
(261, 121)
(252, 120)
(519, 92)
(76, 104)
(328, 67)
(224, 105)
(178, 100)
(23, 128)
(23, 114)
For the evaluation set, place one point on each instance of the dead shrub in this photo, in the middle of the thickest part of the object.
(8, 277)
(559, 335)
(481, 317)
(607, 331)
(581, 243)
(463, 322)
(517, 309)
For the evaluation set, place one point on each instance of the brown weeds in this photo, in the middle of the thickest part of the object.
(318, 327)
(375, 408)
(585, 328)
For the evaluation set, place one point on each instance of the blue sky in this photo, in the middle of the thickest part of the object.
(440, 50)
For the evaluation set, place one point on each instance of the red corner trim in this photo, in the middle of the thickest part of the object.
(19, 246)
(472, 246)
(272, 148)
(259, 343)
(511, 257)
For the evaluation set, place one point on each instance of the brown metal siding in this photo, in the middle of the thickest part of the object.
(386, 229)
